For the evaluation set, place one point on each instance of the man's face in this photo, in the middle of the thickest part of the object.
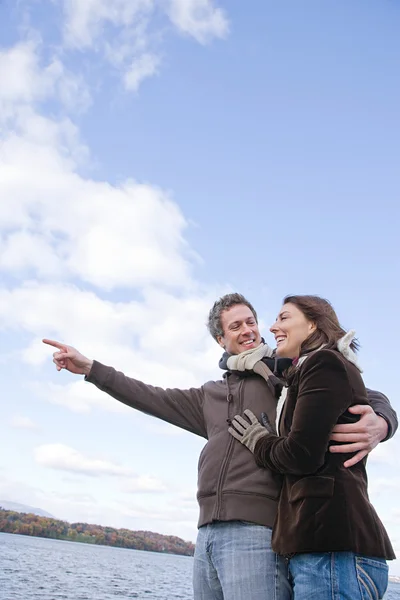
(240, 330)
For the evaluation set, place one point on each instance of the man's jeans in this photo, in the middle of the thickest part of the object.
(338, 576)
(234, 561)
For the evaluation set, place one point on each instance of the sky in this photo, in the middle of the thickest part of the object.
(154, 156)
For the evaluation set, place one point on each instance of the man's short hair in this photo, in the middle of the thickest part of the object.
(226, 302)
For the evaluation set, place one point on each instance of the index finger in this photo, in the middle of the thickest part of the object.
(55, 344)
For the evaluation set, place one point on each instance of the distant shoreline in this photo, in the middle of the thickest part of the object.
(29, 524)
(37, 537)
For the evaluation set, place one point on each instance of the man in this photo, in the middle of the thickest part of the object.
(238, 500)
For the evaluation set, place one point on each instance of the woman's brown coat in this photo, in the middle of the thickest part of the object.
(324, 507)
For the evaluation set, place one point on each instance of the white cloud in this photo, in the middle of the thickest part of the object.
(161, 339)
(23, 250)
(64, 458)
(27, 80)
(143, 484)
(163, 429)
(125, 34)
(73, 91)
(49, 143)
(110, 236)
(199, 19)
(144, 66)
(118, 30)
(385, 454)
(85, 21)
(79, 397)
(23, 78)
(172, 511)
(62, 224)
(21, 422)
(381, 486)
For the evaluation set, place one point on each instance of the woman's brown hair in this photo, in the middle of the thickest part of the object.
(320, 312)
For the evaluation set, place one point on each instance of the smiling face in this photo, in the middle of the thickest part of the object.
(240, 330)
(291, 329)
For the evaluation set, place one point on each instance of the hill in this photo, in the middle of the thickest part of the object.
(48, 527)
(24, 508)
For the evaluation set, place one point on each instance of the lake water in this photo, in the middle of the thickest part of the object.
(41, 569)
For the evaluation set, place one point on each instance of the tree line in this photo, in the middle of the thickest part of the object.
(30, 524)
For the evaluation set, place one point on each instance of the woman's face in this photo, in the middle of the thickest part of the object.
(290, 329)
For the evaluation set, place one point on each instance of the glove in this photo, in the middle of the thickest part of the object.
(248, 433)
(246, 360)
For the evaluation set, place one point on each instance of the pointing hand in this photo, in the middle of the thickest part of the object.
(69, 358)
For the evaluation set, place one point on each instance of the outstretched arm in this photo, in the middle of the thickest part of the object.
(183, 408)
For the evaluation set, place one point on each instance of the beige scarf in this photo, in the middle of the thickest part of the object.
(251, 360)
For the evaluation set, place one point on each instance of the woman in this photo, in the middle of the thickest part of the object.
(336, 545)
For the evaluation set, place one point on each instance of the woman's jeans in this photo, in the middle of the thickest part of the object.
(233, 560)
(338, 576)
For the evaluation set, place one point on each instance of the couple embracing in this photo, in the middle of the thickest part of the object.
(282, 485)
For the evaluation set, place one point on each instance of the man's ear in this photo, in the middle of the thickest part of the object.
(221, 341)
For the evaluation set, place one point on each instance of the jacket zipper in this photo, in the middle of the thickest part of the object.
(228, 455)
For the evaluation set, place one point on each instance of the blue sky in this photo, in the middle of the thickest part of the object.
(154, 156)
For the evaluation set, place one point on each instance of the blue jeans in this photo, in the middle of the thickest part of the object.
(233, 560)
(338, 576)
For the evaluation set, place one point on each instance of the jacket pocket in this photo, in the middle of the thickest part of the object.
(312, 487)
(372, 576)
